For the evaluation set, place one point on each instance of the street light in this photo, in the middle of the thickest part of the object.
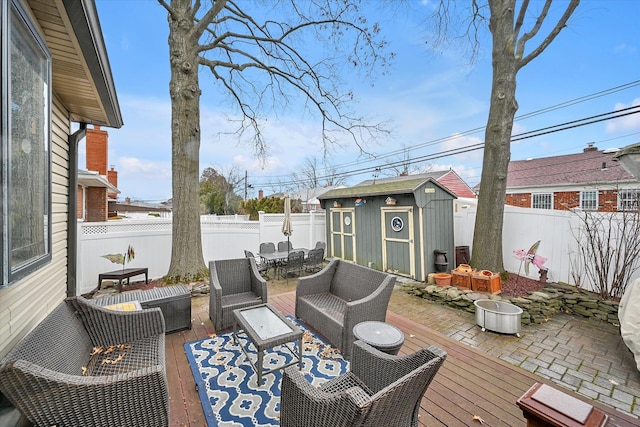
(629, 158)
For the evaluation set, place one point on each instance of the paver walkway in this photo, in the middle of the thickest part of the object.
(583, 355)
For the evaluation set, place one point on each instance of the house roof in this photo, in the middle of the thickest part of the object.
(589, 167)
(81, 73)
(449, 179)
(94, 179)
(387, 186)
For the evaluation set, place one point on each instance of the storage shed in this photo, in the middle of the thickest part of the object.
(392, 225)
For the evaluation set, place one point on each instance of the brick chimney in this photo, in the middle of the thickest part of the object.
(260, 194)
(590, 147)
(112, 177)
(97, 149)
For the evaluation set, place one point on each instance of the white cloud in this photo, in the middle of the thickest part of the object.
(625, 123)
(144, 179)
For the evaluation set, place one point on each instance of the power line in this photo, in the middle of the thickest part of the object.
(525, 116)
(518, 137)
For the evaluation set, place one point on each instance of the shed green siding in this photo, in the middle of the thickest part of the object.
(432, 225)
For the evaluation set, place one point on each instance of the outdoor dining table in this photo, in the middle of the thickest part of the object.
(273, 258)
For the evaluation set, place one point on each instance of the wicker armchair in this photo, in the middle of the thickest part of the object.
(379, 390)
(340, 296)
(55, 375)
(235, 283)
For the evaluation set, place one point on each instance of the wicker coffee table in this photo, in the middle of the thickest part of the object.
(266, 329)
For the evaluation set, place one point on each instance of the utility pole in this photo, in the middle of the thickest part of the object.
(245, 185)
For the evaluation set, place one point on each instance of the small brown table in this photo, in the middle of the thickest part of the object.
(120, 275)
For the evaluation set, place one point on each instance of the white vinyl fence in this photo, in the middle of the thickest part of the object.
(222, 237)
(522, 227)
(228, 237)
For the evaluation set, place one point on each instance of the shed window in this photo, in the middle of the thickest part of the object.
(542, 201)
(26, 165)
(589, 200)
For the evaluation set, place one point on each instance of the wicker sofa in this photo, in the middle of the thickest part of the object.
(379, 390)
(340, 296)
(85, 365)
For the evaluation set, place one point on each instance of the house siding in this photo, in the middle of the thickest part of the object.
(25, 303)
(567, 200)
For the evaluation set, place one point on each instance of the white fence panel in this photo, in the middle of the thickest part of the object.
(151, 240)
(521, 229)
(222, 237)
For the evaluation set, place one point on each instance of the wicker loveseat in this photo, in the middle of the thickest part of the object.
(85, 365)
(340, 296)
(379, 390)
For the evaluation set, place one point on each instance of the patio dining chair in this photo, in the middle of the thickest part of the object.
(285, 246)
(293, 264)
(263, 267)
(313, 262)
(379, 390)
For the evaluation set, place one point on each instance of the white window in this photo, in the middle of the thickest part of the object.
(589, 200)
(542, 201)
(26, 168)
(628, 200)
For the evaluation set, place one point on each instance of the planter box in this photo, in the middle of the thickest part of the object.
(483, 283)
(461, 279)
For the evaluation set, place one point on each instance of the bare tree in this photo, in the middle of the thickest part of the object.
(313, 174)
(609, 249)
(511, 29)
(259, 62)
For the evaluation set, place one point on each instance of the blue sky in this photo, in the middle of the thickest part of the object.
(427, 95)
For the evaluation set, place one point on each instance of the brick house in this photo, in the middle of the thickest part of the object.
(590, 180)
(96, 185)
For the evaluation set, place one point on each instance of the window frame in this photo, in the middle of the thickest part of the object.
(583, 200)
(550, 201)
(624, 202)
(14, 19)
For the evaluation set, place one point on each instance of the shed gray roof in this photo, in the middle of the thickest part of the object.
(435, 175)
(408, 184)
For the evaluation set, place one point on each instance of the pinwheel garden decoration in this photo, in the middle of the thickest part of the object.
(124, 258)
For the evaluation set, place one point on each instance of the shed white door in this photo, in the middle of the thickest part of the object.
(343, 234)
(398, 255)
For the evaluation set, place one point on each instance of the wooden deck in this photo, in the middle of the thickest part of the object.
(470, 383)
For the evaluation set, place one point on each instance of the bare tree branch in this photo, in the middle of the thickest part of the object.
(562, 22)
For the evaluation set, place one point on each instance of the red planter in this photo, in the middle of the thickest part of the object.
(442, 279)
(461, 279)
(486, 281)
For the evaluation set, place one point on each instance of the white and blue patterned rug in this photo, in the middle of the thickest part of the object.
(228, 386)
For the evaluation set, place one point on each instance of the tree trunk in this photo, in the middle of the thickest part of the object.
(487, 240)
(187, 262)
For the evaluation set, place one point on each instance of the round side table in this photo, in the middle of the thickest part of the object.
(380, 335)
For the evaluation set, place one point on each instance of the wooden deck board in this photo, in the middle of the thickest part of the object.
(469, 383)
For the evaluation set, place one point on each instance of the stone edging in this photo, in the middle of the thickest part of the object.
(538, 307)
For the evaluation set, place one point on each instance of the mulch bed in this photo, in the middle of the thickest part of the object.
(519, 286)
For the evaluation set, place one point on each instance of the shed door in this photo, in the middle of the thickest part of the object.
(398, 255)
(343, 234)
